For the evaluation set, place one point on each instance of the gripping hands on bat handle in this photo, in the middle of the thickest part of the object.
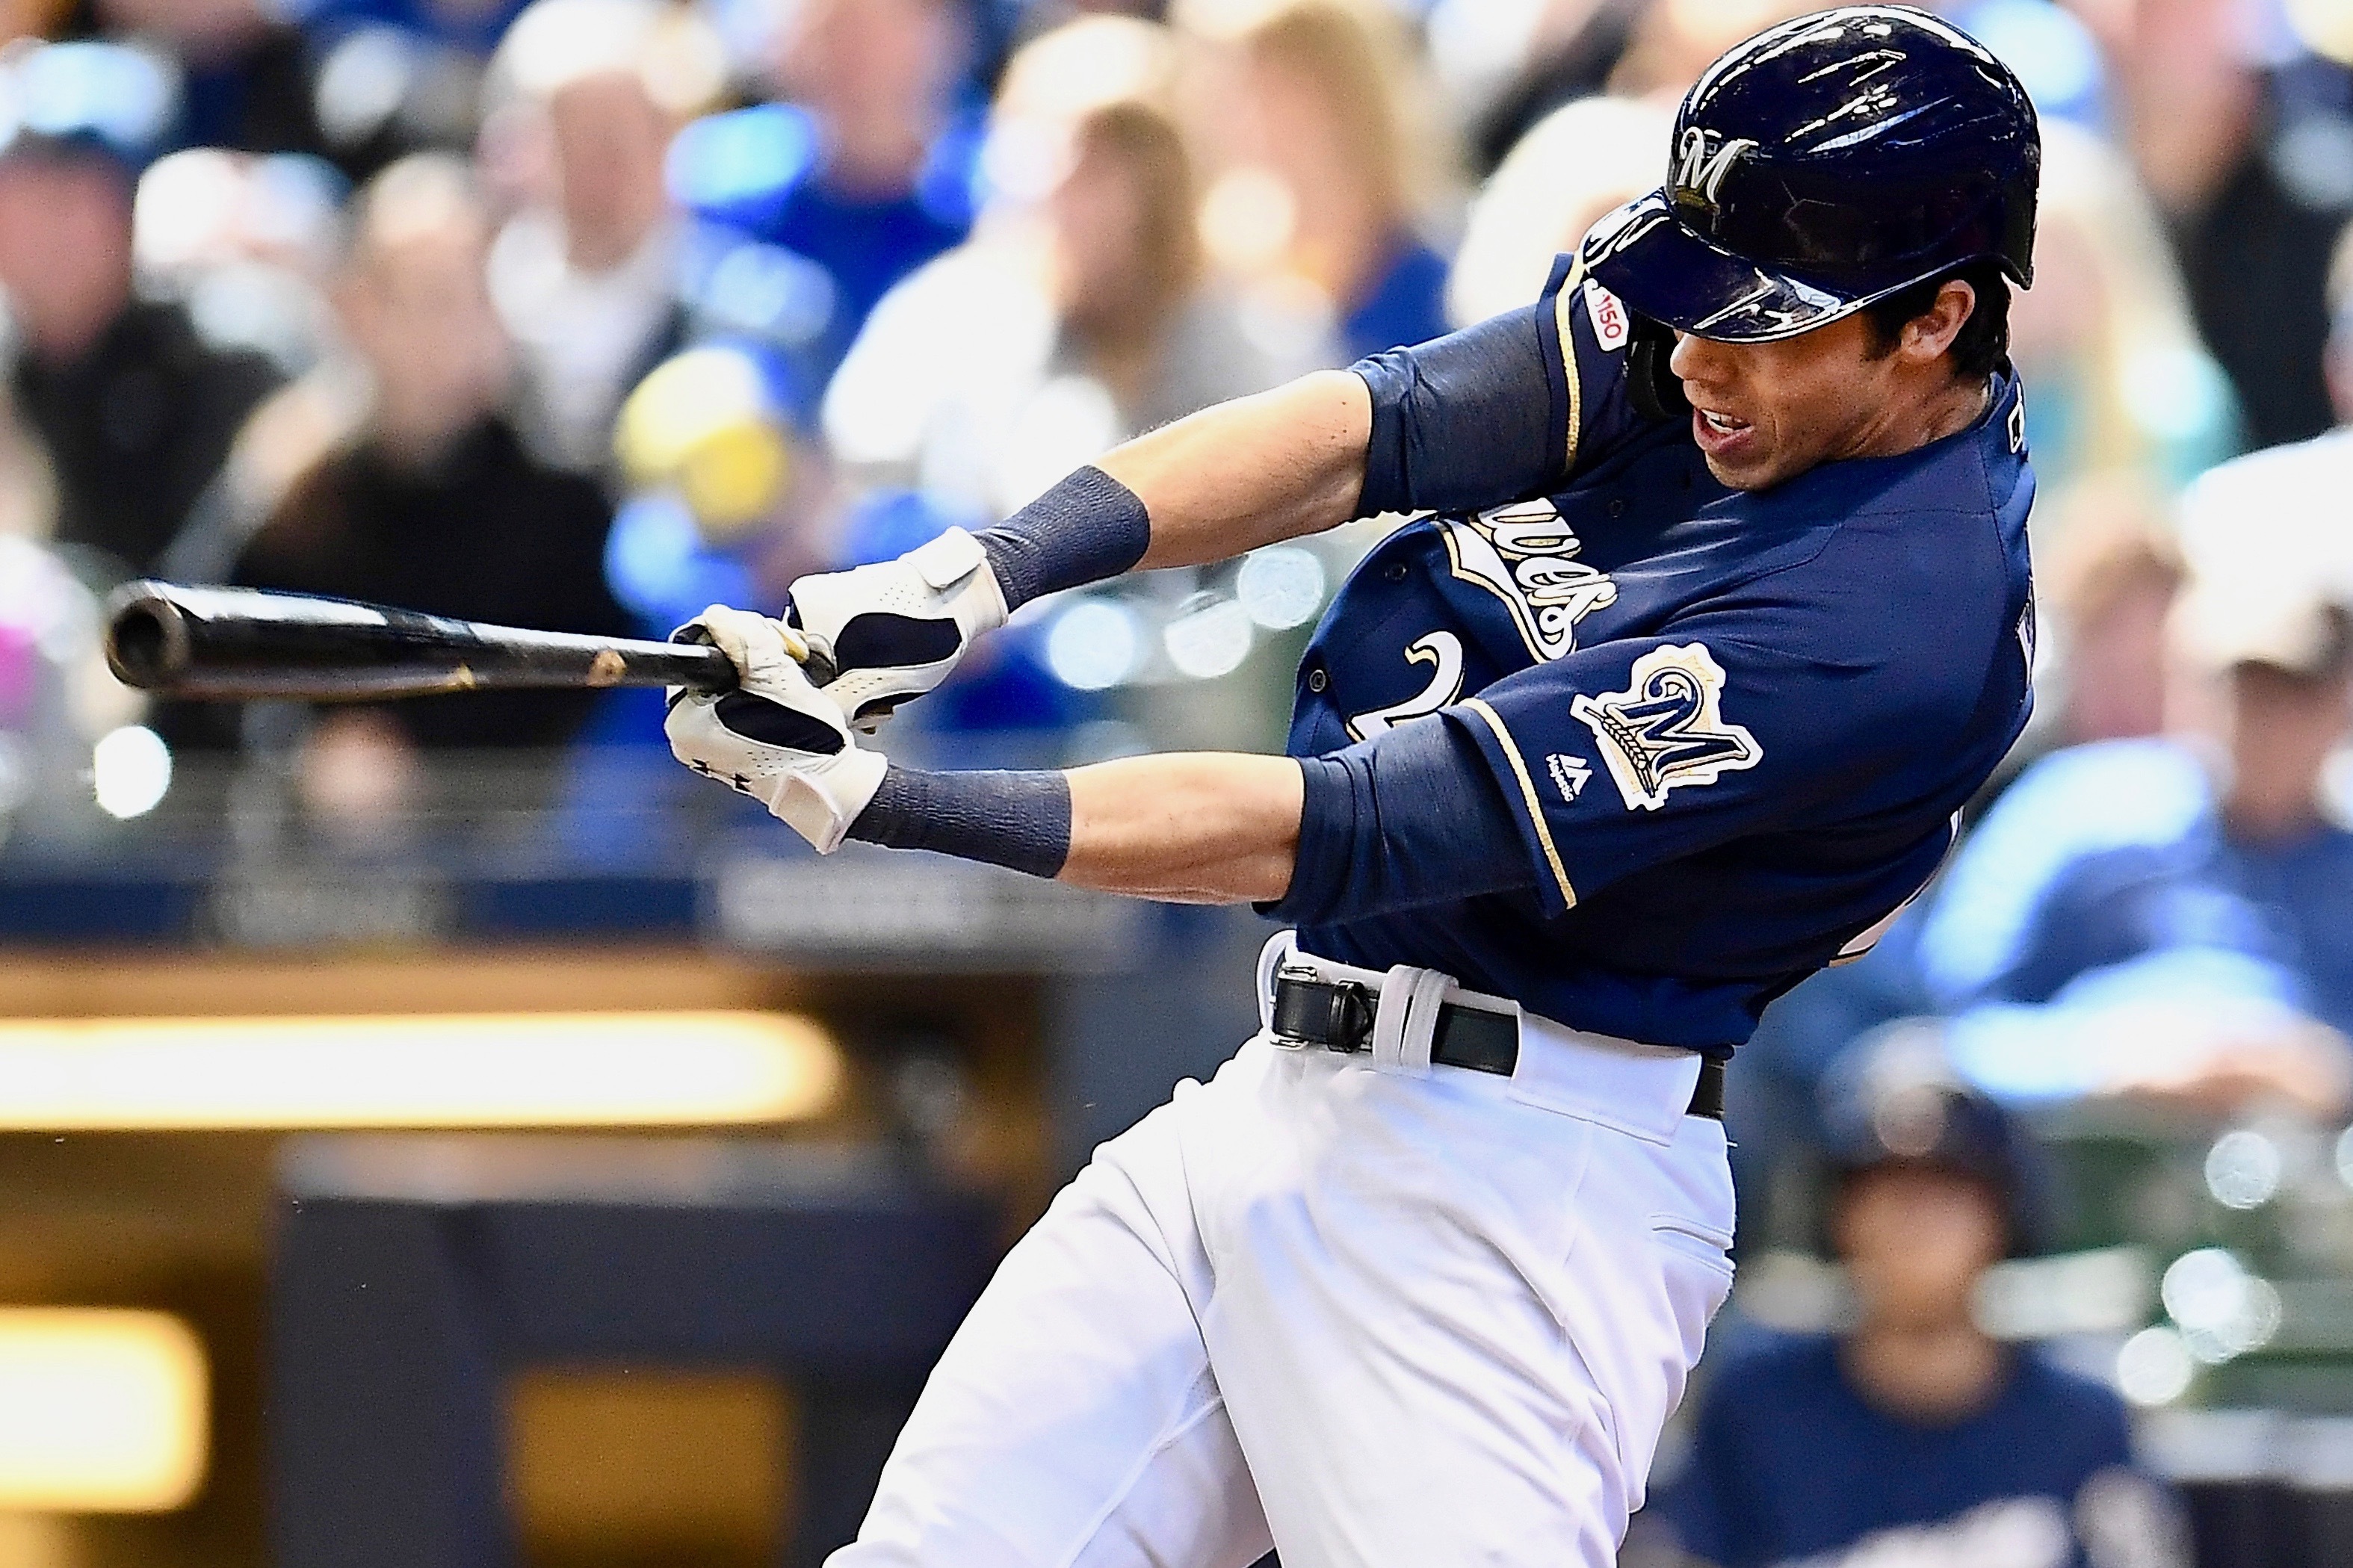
(777, 737)
(893, 630)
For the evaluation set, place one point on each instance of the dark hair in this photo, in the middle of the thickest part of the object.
(1983, 342)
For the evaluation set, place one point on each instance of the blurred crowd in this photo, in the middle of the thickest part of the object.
(586, 313)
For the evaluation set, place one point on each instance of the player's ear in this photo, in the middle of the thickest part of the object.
(1927, 335)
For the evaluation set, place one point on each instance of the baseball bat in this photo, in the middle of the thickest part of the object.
(239, 643)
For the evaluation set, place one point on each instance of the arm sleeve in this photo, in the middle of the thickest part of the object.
(1411, 816)
(1501, 410)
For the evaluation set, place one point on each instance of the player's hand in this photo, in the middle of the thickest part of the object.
(776, 737)
(893, 630)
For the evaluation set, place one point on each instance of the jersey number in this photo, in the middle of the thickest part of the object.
(1443, 652)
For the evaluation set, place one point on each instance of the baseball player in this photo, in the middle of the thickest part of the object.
(1912, 1436)
(1720, 611)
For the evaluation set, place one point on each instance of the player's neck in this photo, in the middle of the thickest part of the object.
(1932, 1375)
(1945, 409)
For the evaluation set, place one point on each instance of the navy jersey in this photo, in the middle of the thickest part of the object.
(1789, 1464)
(1732, 728)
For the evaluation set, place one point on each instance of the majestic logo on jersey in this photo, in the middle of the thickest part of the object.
(1664, 731)
(1569, 775)
(1526, 556)
(2017, 427)
(1702, 161)
(1443, 652)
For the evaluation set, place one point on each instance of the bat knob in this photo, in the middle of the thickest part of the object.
(147, 636)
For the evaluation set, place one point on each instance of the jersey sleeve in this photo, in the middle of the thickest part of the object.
(1407, 819)
(1635, 753)
(1512, 407)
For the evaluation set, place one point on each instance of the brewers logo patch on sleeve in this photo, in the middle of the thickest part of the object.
(1666, 730)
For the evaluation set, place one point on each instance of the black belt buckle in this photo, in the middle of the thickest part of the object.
(1308, 1010)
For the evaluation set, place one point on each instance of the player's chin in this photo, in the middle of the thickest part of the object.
(1747, 471)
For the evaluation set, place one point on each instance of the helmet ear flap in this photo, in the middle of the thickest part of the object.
(1656, 392)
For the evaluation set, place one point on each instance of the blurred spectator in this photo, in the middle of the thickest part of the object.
(2057, 58)
(1565, 55)
(1573, 166)
(1567, 50)
(32, 18)
(586, 276)
(2281, 512)
(1001, 366)
(1331, 163)
(395, 76)
(815, 206)
(2108, 589)
(2340, 328)
(473, 24)
(245, 81)
(2254, 165)
(245, 243)
(432, 502)
(1673, 40)
(2120, 382)
(135, 408)
(1913, 1436)
(2149, 916)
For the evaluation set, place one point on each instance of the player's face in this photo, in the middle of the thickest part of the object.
(1764, 413)
(1916, 1241)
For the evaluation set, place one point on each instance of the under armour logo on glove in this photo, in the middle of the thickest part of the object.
(894, 631)
(777, 737)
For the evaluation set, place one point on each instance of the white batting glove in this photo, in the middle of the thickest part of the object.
(893, 630)
(776, 737)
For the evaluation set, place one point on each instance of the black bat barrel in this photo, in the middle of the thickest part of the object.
(241, 643)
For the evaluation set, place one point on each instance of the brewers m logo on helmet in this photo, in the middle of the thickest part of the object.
(1702, 158)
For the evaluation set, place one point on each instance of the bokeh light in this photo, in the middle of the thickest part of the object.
(131, 771)
(1095, 644)
(1281, 587)
(2223, 1310)
(1209, 640)
(100, 1411)
(2154, 1367)
(2243, 1170)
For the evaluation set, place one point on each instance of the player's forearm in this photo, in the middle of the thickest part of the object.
(1200, 828)
(1215, 484)
(1275, 465)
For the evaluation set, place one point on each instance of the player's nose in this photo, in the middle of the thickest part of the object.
(1694, 357)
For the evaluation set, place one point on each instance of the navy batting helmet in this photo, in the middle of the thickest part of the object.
(1823, 165)
(1896, 1099)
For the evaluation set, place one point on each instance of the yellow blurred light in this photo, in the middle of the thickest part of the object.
(704, 423)
(100, 1411)
(540, 1070)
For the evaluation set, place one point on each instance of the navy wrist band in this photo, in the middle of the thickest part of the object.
(1087, 528)
(1017, 819)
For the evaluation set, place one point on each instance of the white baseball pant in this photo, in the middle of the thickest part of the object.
(1378, 1314)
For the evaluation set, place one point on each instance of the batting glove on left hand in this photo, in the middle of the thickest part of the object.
(893, 630)
(776, 737)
